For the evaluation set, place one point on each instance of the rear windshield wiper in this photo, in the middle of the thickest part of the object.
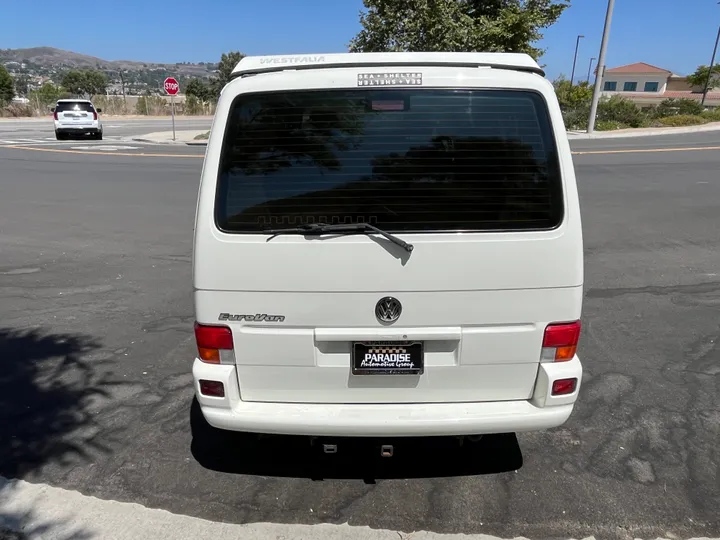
(324, 228)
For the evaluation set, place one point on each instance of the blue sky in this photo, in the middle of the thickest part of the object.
(658, 32)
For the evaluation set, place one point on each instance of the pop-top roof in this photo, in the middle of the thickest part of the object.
(261, 64)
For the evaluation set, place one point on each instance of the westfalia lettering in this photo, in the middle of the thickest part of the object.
(259, 317)
(382, 360)
(292, 60)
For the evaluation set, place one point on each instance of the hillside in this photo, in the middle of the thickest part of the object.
(49, 57)
(43, 64)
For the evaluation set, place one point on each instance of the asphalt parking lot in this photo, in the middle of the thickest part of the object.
(96, 344)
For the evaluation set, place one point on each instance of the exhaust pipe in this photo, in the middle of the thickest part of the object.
(330, 448)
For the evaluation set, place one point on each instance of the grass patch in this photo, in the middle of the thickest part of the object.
(711, 116)
(203, 136)
(682, 120)
(610, 125)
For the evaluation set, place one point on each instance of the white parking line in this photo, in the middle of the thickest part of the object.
(52, 141)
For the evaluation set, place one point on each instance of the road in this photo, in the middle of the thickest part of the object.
(40, 130)
(96, 310)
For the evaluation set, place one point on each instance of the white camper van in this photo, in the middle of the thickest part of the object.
(387, 244)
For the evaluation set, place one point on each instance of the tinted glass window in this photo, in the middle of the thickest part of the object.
(409, 160)
(74, 106)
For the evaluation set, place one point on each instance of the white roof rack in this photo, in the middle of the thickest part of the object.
(263, 64)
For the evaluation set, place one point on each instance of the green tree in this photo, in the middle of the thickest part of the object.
(225, 67)
(95, 82)
(74, 82)
(700, 77)
(7, 88)
(21, 85)
(455, 25)
(89, 82)
(199, 89)
(572, 96)
(45, 96)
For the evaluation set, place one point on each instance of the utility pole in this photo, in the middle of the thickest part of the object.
(710, 71)
(122, 84)
(577, 45)
(601, 67)
(590, 68)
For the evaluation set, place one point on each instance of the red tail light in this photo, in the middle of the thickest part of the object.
(560, 342)
(212, 388)
(94, 115)
(55, 115)
(563, 387)
(214, 343)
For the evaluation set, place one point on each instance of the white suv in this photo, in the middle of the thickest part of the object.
(76, 117)
(387, 244)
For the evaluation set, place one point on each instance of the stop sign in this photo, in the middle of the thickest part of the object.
(171, 86)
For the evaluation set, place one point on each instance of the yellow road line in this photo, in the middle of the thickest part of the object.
(87, 152)
(645, 150)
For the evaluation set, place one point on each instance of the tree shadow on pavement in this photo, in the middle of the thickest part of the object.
(46, 391)
(295, 457)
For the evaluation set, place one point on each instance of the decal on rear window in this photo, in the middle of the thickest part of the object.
(389, 79)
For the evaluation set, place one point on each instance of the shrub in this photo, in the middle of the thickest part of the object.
(576, 118)
(621, 110)
(682, 120)
(673, 107)
(712, 115)
(17, 110)
(573, 96)
(610, 125)
(110, 104)
(152, 105)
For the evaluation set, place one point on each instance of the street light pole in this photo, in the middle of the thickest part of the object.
(601, 67)
(577, 45)
(710, 71)
(590, 68)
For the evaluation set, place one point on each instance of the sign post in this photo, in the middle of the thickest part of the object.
(172, 88)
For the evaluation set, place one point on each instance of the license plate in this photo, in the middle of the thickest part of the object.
(388, 358)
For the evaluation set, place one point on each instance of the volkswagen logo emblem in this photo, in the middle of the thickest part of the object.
(388, 309)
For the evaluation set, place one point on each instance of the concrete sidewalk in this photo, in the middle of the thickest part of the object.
(182, 136)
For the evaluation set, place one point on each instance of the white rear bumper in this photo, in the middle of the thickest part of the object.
(543, 411)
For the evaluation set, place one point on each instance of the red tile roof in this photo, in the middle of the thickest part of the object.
(638, 67)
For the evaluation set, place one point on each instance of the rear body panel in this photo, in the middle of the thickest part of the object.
(490, 351)
(479, 302)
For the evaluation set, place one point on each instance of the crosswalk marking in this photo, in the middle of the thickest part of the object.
(48, 140)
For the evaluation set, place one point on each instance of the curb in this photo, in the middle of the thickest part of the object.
(169, 141)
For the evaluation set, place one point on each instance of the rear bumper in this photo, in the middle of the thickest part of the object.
(541, 412)
(78, 129)
(95, 127)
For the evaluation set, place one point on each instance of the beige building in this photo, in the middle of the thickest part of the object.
(649, 85)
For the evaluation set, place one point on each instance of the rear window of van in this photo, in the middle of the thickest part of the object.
(82, 106)
(415, 160)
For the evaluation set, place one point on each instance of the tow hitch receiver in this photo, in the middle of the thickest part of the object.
(386, 450)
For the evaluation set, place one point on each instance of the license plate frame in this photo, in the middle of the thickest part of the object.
(389, 365)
